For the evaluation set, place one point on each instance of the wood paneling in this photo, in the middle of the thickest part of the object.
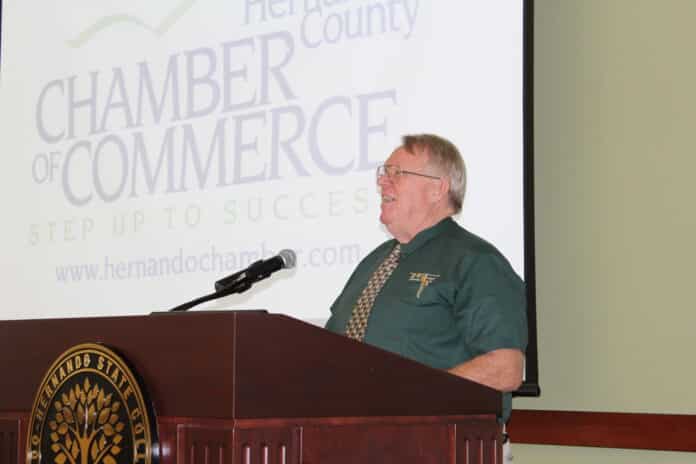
(349, 444)
(9, 438)
(477, 442)
(205, 445)
(666, 432)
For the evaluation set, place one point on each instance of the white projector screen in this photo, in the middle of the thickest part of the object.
(151, 148)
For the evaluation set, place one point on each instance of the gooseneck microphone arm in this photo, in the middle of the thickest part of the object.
(242, 287)
(243, 280)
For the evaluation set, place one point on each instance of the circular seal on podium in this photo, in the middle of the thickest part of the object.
(91, 408)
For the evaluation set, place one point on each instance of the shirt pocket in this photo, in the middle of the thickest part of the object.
(428, 309)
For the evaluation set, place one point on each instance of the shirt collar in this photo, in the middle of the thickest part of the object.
(424, 236)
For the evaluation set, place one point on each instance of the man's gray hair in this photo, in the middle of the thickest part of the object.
(444, 157)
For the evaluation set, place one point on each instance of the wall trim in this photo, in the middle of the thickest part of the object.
(663, 432)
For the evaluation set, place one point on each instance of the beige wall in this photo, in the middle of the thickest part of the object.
(615, 96)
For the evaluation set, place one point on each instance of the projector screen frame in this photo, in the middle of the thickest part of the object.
(530, 386)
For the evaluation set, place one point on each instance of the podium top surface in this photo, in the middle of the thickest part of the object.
(241, 364)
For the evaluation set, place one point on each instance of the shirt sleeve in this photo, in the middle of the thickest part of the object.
(490, 306)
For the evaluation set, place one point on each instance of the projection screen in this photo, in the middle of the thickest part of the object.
(151, 148)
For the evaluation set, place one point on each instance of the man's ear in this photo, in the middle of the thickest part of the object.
(442, 189)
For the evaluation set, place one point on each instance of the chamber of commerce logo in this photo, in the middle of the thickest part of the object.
(90, 409)
(113, 20)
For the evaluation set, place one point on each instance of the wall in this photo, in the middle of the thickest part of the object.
(615, 122)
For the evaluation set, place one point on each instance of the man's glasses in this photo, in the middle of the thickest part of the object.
(393, 172)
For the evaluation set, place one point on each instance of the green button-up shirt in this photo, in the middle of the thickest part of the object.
(452, 297)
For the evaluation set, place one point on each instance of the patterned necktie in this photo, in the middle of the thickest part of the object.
(355, 328)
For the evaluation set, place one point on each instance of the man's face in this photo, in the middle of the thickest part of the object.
(408, 202)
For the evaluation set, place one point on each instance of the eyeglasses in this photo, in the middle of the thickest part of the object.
(393, 172)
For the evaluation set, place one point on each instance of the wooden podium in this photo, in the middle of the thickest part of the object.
(250, 387)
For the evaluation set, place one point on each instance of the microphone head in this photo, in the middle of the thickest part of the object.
(289, 258)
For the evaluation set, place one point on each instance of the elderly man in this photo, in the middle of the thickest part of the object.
(436, 293)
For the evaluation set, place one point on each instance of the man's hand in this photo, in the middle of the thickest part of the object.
(500, 369)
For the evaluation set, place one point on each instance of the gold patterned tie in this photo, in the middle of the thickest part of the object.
(355, 328)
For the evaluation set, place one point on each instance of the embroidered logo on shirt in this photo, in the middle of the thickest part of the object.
(424, 278)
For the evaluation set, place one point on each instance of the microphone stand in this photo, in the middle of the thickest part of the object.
(238, 287)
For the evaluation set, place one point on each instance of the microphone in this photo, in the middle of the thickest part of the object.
(259, 270)
(243, 280)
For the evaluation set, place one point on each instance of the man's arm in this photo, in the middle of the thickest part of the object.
(500, 369)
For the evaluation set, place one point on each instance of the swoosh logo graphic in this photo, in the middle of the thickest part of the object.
(114, 20)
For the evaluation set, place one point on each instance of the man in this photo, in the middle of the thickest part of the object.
(436, 293)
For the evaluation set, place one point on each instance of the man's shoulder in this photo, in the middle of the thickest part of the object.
(469, 251)
(463, 240)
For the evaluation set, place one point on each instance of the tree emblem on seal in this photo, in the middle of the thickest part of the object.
(87, 426)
